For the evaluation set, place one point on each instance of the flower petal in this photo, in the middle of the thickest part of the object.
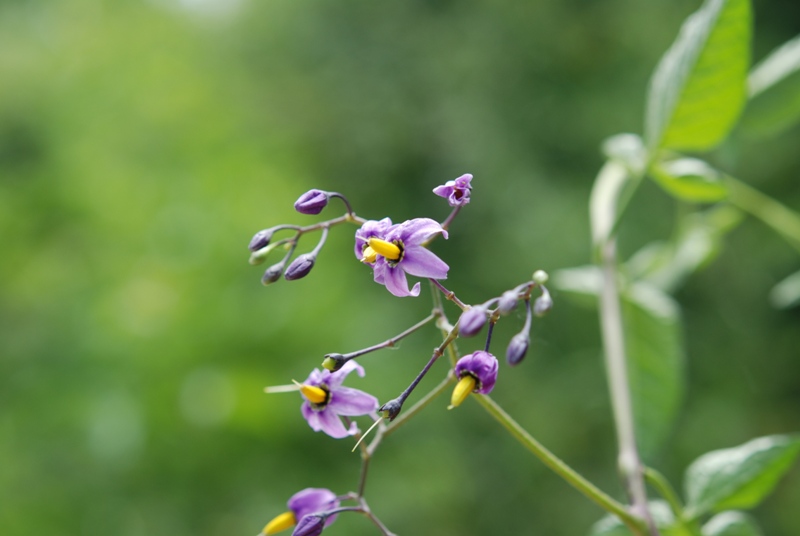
(396, 282)
(311, 500)
(415, 232)
(370, 229)
(326, 421)
(422, 262)
(336, 378)
(351, 402)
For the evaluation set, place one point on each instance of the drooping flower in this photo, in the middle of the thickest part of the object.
(471, 321)
(456, 192)
(301, 504)
(396, 250)
(310, 525)
(477, 373)
(326, 399)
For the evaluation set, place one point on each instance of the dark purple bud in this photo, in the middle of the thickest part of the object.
(391, 409)
(482, 366)
(311, 202)
(261, 239)
(334, 362)
(272, 274)
(507, 302)
(471, 321)
(300, 267)
(543, 303)
(517, 348)
(310, 525)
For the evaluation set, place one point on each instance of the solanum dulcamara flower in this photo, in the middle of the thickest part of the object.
(326, 399)
(456, 192)
(476, 373)
(396, 250)
(301, 504)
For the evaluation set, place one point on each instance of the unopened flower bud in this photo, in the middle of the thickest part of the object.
(391, 409)
(261, 239)
(540, 277)
(543, 303)
(272, 274)
(311, 202)
(507, 302)
(517, 348)
(333, 362)
(310, 525)
(300, 267)
(471, 321)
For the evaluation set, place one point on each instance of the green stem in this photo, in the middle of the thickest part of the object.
(783, 220)
(664, 488)
(636, 525)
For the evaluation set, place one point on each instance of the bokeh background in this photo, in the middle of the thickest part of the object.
(142, 143)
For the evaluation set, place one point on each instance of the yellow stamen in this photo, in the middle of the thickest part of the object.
(369, 255)
(463, 388)
(282, 522)
(315, 395)
(387, 249)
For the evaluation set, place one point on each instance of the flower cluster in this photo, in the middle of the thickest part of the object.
(393, 252)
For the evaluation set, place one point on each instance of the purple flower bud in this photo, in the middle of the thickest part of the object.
(471, 321)
(517, 348)
(310, 525)
(507, 302)
(272, 274)
(480, 365)
(456, 192)
(261, 239)
(300, 267)
(311, 202)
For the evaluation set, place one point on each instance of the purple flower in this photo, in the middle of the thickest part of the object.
(310, 525)
(301, 504)
(456, 192)
(480, 365)
(311, 202)
(327, 399)
(396, 250)
(476, 373)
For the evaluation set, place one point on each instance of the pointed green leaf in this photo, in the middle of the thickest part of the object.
(731, 524)
(774, 92)
(738, 477)
(654, 349)
(699, 87)
(690, 179)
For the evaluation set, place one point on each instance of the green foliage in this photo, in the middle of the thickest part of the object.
(731, 523)
(690, 179)
(738, 477)
(699, 87)
(662, 516)
(774, 86)
(786, 293)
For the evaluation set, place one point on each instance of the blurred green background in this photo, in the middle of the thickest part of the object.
(142, 143)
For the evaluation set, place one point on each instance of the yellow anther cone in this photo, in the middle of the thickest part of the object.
(315, 395)
(382, 247)
(463, 388)
(369, 255)
(284, 521)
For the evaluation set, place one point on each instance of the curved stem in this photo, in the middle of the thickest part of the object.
(783, 220)
(635, 524)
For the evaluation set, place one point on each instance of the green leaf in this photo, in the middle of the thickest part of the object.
(699, 87)
(738, 477)
(654, 349)
(610, 525)
(690, 179)
(608, 194)
(731, 524)
(774, 92)
(698, 241)
(582, 282)
(786, 293)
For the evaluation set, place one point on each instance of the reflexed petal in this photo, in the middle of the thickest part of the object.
(421, 262)
(415, 232)
(316, 377)
(396, 282)
(312, 500)
(326, 421)
(351, 402)
(336, 378)
(379, 271)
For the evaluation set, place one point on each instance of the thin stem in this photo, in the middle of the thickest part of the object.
(412, 411)
(366, 457)
(492, 322)
(377, 522)
(446, 223)
(628, 461)
(783, 220)
(346, 202)
(388, 343)
(658, 481)
(449, 294)
(566, 472)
